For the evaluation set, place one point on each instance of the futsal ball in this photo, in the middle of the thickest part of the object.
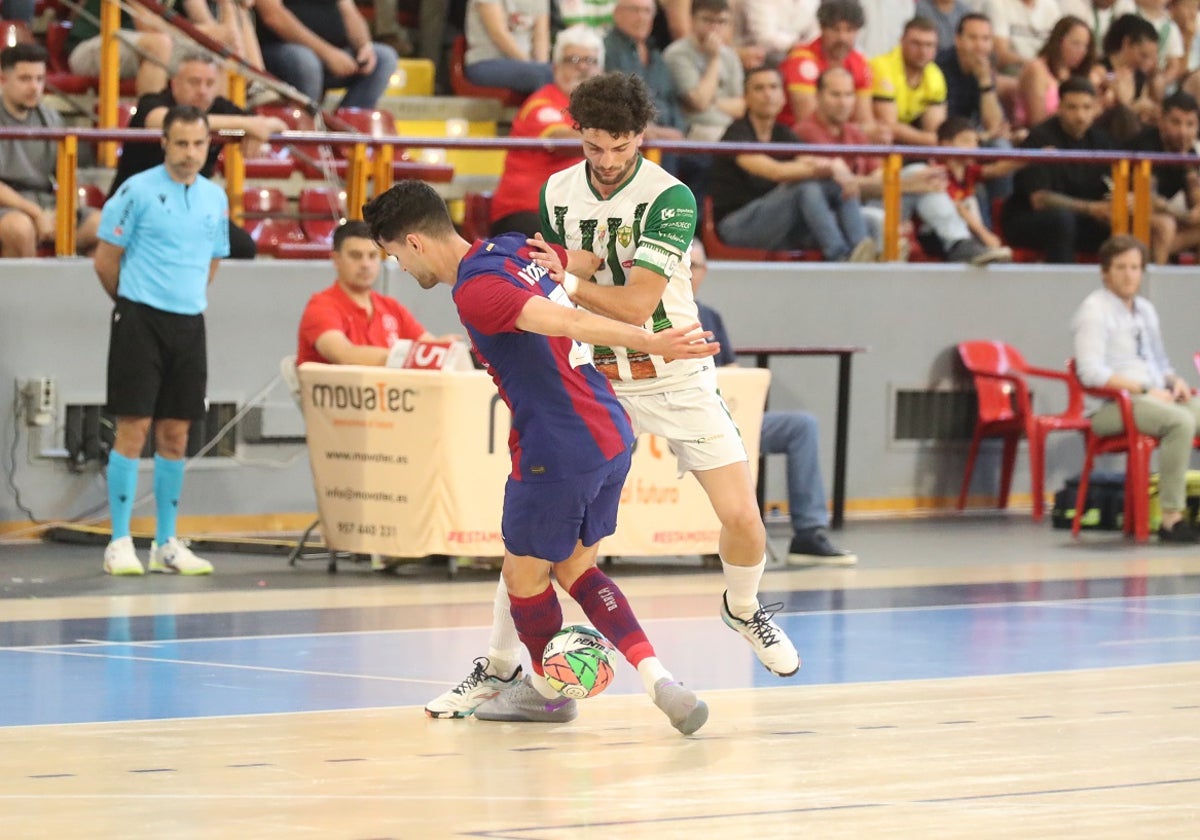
(578, 662)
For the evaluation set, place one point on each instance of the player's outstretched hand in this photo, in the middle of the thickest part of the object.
(544, 256)
(690, 342)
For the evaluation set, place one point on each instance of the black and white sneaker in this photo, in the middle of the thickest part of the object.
(813, 548)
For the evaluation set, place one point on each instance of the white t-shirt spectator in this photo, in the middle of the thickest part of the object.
(1025, 26)
(1098, 20)
(775, 25)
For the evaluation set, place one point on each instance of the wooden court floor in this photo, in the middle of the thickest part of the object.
(971, 678)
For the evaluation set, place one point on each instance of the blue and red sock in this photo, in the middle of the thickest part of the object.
(537, 619)
(606, 607)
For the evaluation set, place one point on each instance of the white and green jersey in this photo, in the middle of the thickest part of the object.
(648, 222)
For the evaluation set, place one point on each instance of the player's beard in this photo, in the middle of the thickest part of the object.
(617, 179)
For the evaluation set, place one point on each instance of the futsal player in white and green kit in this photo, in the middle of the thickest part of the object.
(627, 225)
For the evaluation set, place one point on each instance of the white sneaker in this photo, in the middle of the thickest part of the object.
(771, 645)
(121, 559)
(478, 687)
(999, 254)
(173, 557)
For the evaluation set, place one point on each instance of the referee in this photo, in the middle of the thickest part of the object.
(161, 238)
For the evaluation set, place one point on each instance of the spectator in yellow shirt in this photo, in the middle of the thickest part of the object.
(909, 92)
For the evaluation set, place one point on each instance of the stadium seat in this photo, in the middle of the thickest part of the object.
(267, 221)
(59, 77)
(718, 250)
(1005, 410)
(13, 32)
(462, 86)
(90, 195)
(322, 209)
(477, 215)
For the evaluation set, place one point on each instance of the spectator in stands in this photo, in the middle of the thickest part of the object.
(788, 202)
(1098, 14)
(145, 51)
(315, 46)
(1063, 209)
(28, 192)
(962, 177)
(21, 10)
(923, 187)
(790, 433)
(578, 55)
(508, 44)
(1186, 14)
(350, 323)
(195, 84)
(1119, 344)
(1069, 51)
(1127, 95)
(840, 22)
(909, 89)
(945, 15)
(230, 22)
(1172, 59)
(1176, 188)
(707, 72)
(764, 30)
(674, 20)
(1022, 26)
(629, 47)
(885, 23)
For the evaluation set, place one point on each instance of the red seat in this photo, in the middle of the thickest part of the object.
(302, 250)
(477, 215)
(718, 250)
(59, 76)
(1006, 411)
(267, 221)
(462, 86)
(13, 32)
(322, 209)
(90, 195)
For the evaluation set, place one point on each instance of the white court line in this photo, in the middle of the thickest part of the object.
(1065, 603)
(1154, 641)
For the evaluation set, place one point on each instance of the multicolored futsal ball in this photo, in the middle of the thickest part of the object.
(578, 662)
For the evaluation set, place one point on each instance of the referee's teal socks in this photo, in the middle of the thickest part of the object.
(168, 486)
(122, 490)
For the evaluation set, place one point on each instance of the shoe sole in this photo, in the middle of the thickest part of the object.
(124, 572)
(696, 718)
(736, 629)
(430, 713)
(167, 570)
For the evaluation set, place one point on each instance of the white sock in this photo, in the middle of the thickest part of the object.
(742, 585)
(543, 687)
(651, 671)
(504, 647)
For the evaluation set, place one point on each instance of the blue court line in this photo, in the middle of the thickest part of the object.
(179, 678)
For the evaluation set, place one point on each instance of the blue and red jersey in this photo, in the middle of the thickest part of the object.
(565, 418)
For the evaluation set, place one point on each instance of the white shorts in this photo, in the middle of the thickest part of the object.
(695, 422)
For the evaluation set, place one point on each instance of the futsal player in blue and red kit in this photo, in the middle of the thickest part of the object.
(570, 442)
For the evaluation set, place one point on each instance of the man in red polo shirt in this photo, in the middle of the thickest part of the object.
(840, 22)
(350, 323)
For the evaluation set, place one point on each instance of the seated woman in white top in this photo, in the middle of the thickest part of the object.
(508, 44)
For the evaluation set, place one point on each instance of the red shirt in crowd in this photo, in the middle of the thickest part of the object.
(332, 309)
(526, 170)
(815, 130)
(805, 64)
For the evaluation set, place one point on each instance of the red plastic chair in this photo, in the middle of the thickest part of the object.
(267, 221)
(462, 86)
(1006, 411)
(718, 250)
(90, 195)
(322, 209)
(477, 215)
(1137, 448)
(13, 32)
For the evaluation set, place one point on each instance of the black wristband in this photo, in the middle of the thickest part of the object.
(983, 90)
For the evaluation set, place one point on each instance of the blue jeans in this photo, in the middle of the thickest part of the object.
(935, 210)
(299, 67)
(521, 76)
(800, 214)
(794, 433)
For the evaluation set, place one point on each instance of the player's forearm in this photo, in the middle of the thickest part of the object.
(621, 303)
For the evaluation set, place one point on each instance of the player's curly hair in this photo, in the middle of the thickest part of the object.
(619, 103)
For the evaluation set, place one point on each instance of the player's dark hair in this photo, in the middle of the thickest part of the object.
(410, 206)
(920, 24)
(619, 103)
(182, 114)
(10, 57)
(353, 229)
(1114, 246)
(952, 127)
(832, 12)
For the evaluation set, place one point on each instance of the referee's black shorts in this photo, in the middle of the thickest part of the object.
(157, 363)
